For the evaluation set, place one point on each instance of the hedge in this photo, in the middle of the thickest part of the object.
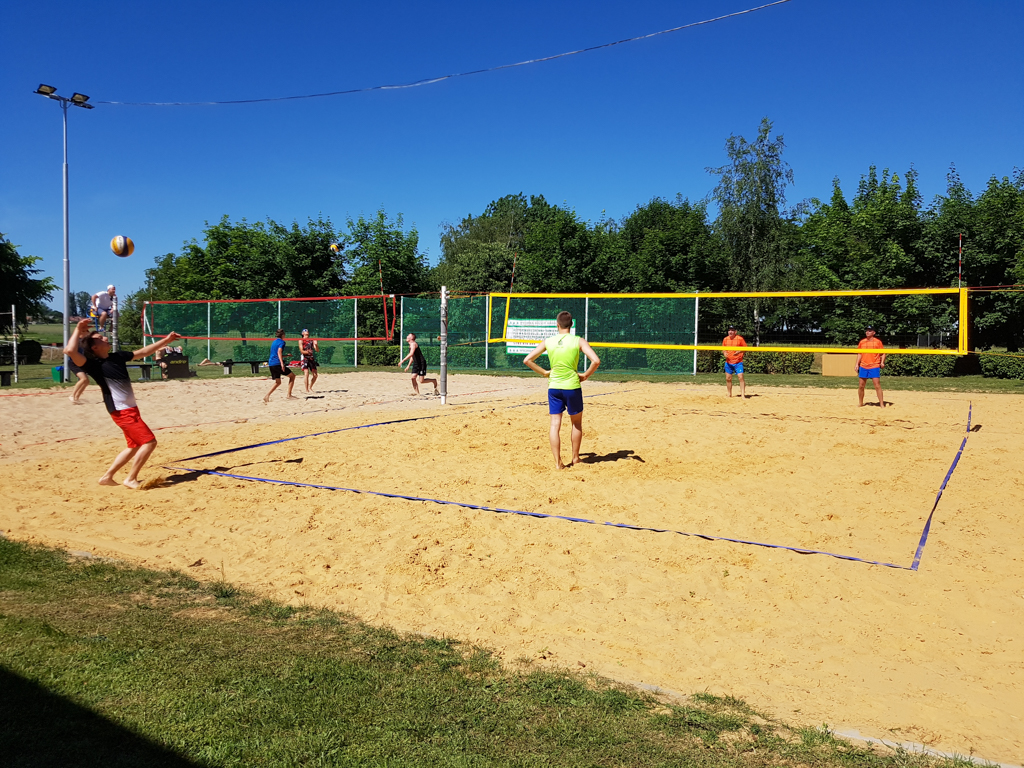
(931, 366)
(759, 362)
(1000, 367)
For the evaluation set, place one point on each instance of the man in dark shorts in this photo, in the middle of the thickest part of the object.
(108, 369)
(308, 348)
(278, 367)
(418, 364)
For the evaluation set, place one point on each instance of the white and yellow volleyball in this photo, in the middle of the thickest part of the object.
(122, 246)
(335, 248)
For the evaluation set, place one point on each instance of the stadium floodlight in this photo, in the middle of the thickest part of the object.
(78, 100)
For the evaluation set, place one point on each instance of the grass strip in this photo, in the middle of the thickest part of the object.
(106, 665)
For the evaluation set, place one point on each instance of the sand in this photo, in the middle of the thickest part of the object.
(934, 656)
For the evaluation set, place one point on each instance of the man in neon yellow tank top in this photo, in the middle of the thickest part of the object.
(564, 391)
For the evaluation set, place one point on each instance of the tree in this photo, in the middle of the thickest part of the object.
(751, 193)
(478, 253)
(18, 287)
(381, 251)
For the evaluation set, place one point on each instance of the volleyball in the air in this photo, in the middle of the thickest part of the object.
(122, 246)
(335, 248)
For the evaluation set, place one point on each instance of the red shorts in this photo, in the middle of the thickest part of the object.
(136, 433)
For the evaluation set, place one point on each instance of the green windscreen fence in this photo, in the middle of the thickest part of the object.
(243, 330)
(618, 320)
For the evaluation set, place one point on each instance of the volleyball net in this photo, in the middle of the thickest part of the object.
(683, 332)
(242, 330)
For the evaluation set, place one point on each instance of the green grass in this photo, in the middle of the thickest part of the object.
(103, 665)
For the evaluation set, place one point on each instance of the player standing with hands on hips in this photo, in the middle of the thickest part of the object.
(108, 369)
(870, 365)
(564, 390)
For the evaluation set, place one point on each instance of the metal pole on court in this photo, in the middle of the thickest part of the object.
(14, 332)
(401, 329)
(208, 356)
(355, 333)
(696, 318)
(444, 345)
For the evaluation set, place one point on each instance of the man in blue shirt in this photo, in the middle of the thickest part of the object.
(278, 367)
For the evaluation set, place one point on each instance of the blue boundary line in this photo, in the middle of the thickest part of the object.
(376, 424)
(500, 510)
(949, 474)
(799, 550)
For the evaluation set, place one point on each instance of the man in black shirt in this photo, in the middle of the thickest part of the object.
(418, 364)
(108, 369)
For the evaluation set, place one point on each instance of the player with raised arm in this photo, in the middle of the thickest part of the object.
(564, 390)
(734, 361)
(870, 365)
(278, 367)
(108, 369)
(419, 365)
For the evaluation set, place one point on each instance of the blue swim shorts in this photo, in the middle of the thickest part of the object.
(869, 373)
(570, 400)
(734, 367)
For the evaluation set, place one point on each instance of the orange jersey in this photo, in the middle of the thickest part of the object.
(870, 359)
(734, 357)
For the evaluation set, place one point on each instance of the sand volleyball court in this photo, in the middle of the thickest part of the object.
(932, 656)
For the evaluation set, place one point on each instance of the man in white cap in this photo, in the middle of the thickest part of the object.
(102, 305)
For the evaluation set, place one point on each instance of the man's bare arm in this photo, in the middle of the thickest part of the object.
(413, 346)
(71, 350)
(595, 361)
(536, 352)
(151, 348)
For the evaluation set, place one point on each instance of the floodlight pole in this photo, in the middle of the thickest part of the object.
(65, 369)
(79, 100)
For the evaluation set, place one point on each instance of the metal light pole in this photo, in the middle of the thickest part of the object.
(78, 100)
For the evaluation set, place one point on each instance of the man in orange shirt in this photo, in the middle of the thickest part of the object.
(734, 361)
(870, 365)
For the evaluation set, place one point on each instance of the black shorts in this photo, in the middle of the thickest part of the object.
(74, 368)
(276, 371)
(421, 371)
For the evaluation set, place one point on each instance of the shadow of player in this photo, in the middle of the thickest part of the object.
(593, 458)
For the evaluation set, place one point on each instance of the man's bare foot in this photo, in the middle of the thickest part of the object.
(292, 397)
(107, 481)
(576, 461)
(266, 400)
(133, 484)
(560, 466)
(73, 400)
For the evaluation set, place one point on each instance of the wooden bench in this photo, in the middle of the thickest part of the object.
(145, 370)
(5, 378)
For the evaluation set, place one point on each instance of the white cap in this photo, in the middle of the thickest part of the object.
(110, 288)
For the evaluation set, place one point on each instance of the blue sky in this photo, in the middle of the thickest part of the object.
(848, 83)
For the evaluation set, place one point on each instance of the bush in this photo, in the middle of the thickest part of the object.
(932, 366)
(1000, 367)
(372, 354)
(709, 361)
(674, 360)
(32, 351)
(778, 362)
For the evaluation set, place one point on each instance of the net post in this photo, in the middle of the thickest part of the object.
(14, 335)
(279, 313)
(401, 330)
(962, 336)
(586, 318)
(355, 333)
(487, 332)
(113, 323)
(209, 330)
(444, 346)
(696, 319)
